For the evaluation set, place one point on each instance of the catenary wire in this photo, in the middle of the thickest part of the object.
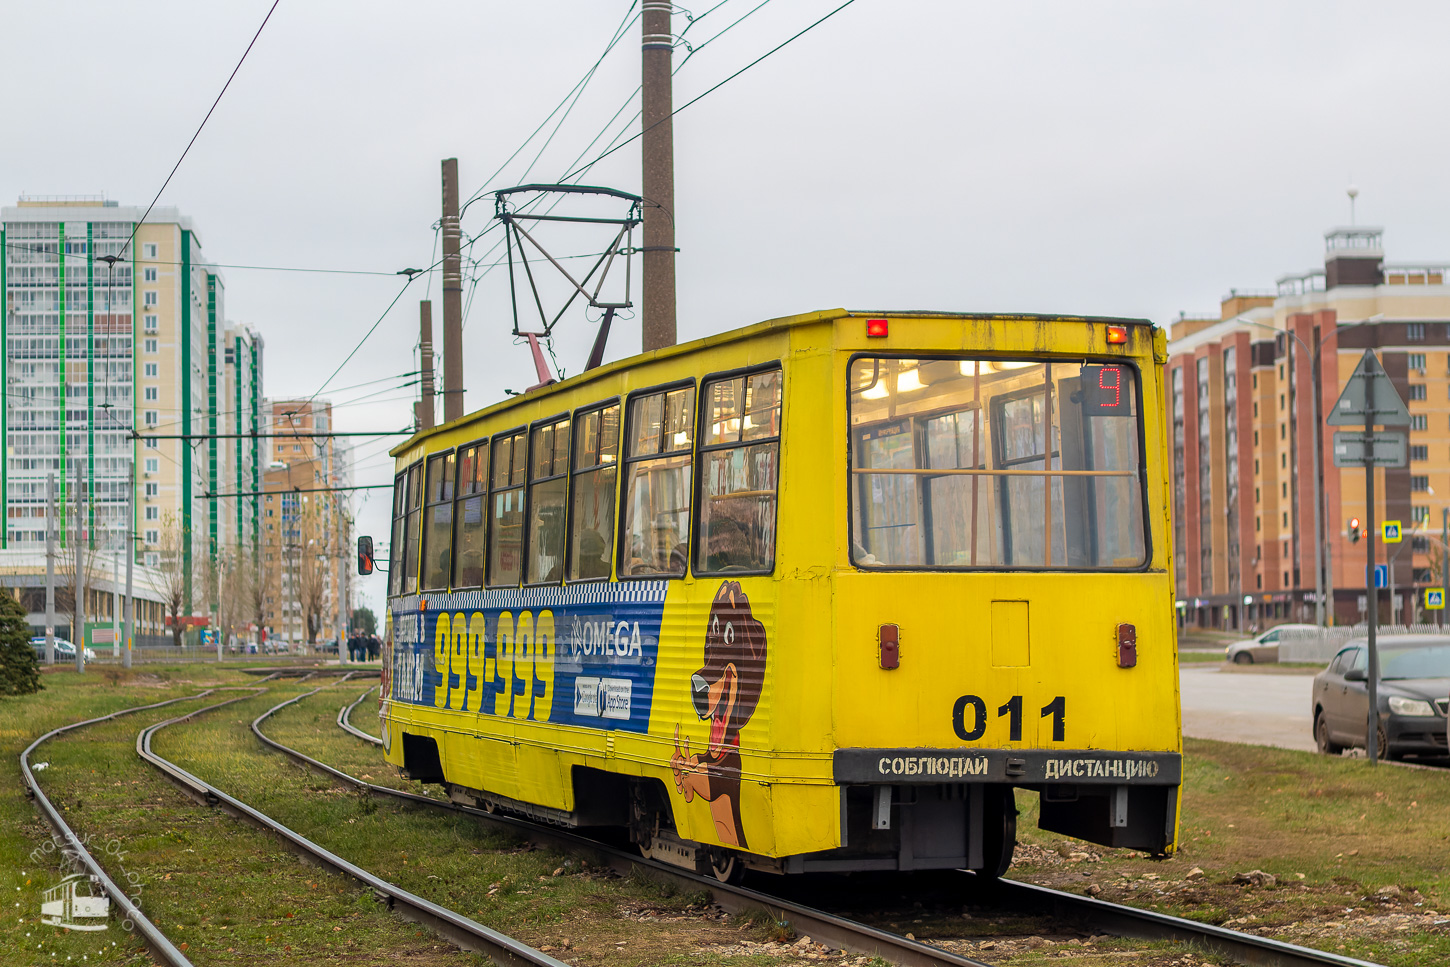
(230, 78)
(710, 90)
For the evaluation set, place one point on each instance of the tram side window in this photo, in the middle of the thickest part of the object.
(659, 438)
(506, 540)
(959, 463)
(591, 505)
(414, 499)
(438, 523)
(395, 547)
(468, 516)
(548, 484)
(739, 474)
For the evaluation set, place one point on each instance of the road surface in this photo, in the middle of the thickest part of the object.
(1258, 707)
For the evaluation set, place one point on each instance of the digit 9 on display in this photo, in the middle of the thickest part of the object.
(1107, 391)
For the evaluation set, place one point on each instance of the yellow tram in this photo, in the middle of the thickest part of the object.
(815, 594)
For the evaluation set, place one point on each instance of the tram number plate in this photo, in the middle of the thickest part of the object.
(969, 717)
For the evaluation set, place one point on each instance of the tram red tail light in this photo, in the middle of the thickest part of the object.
(1127, 646)
(877, 328)
(1117, 335)
(888, 646)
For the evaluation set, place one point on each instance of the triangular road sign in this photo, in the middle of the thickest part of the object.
(1369, 382)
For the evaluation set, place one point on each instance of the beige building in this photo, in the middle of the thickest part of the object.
(1240, 386)
(119, 357)
(306, 525)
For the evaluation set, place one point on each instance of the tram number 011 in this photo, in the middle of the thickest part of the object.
(500, 667)
(971, 709)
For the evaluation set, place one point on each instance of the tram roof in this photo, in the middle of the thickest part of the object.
(747, 332)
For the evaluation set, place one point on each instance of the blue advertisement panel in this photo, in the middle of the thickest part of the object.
(582, 655)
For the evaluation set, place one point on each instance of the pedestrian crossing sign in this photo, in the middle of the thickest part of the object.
(1391, 532)
(1434, 599)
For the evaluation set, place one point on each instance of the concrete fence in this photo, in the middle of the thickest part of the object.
(1308, 645)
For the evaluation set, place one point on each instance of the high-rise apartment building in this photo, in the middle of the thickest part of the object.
(1240, 386)
(306, 524)
(117, 352)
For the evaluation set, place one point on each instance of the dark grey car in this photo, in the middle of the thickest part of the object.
(1414, 683)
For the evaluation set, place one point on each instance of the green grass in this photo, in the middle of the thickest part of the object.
(1332, 831)
(233, 894)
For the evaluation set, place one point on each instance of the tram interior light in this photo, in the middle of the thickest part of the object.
(908, 381)
(1006, 365)
(1117, 335)
(876, 392)
(877, 328)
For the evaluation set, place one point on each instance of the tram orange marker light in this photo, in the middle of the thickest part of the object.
(1127, 646)
(1117, 335)
(876, 328)
(888, 651)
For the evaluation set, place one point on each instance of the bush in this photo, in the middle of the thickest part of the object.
(19, 671)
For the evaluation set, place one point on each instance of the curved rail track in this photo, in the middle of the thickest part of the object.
(1112, 918)
(344, 720)
(471, 935)
(462, 931)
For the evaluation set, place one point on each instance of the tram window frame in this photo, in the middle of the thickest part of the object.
(622, 518)
(484, 446)
(531, 483)
(702, 449)
(491, 540)
(1141, 469)
(412, 525)
(396, 541)
(443, 458)
(576, 472)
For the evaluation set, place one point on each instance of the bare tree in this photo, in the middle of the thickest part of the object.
(234, 579)
(65, 586)
(172, 575)
(311, 559)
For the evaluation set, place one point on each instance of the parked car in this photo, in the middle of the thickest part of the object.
(1414, 682)
(1265, 647)
(64, 650)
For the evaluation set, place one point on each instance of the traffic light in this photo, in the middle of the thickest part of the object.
(364, 555)
(1354, 530)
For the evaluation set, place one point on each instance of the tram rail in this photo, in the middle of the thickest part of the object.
(466, 933)
(462, 931)
(1102, 915)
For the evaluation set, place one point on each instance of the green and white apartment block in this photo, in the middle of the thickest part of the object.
(117, 350)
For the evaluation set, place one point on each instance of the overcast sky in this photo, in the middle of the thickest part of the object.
(1120, 158)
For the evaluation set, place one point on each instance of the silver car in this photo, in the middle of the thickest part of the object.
(1265, 647)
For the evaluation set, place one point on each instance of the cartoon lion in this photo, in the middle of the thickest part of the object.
(725, 692)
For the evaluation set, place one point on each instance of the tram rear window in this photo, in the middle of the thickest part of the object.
(995, 463)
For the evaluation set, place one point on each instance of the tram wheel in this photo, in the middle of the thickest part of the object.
(999, 831)
(726, 866)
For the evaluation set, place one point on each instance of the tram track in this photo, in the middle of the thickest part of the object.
(462, 931)
(161, 947)
(1103, 916)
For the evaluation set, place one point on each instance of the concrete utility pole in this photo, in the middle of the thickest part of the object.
(50, 569)
(115, 606)
(1372, 595)
(130, 559)
(424, 408)
(79, 629)
(452, 297)
(658, 181)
